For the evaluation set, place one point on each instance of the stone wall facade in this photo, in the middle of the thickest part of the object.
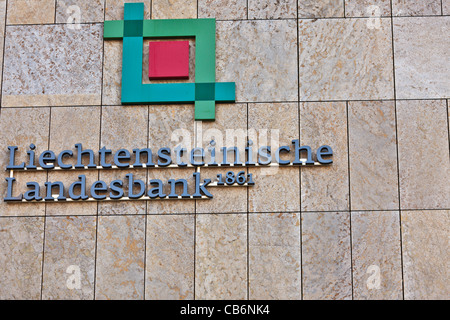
(370, 78)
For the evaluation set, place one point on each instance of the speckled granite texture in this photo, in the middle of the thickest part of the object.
(370, 78)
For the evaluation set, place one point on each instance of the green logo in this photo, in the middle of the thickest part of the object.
(204, 92)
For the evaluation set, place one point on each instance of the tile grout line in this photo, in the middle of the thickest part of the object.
(349, 200)
(299, 170)
(343, 4)
(99, 146)
(448, 128)
(56, 4)
(248, 225)
(45, 207)
(249, 102)
(226, 213)
(146, 206)
(195, 220)
(397, 151)
(3, 56)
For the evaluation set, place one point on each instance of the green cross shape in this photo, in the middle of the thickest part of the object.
(204, 92)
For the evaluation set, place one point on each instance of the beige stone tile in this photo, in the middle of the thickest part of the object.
(326, 256)
(120, 257)
(172, 206)
(274, 125)
(325, 188)
(373, 156)
(124, 127)
(229, 130)
(89, 11)
(22, 127)
(422, 63)
(423, 154)
(416, 8)
(274, 256)
(114, 8)
(260, 56)
(345, 59)
(39, 71)
(276, 189)
(446, 7)
(71, 208)
(425, 254)
(21, 240)
(72, 125)
(376, 254)
(222, 9)
(272, 9)
(274, 192)
(221, 257)
(225, 199)
(31, 11)
(68, 127)
(112, 73)
(171, 126)
(170, 257)
(320, 8)
(174, 9)
(367, 8)
(69, 258)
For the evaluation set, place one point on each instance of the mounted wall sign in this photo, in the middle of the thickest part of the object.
(204, 92)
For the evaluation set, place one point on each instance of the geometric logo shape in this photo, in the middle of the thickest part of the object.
(204, 92)
(168, 60)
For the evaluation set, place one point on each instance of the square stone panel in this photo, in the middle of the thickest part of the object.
(174, 9)
(320, 8)
(52, 65)
(325, 188)
(274, 256)
(422, 62)
(423, 154)
(260, 56)
(376, 255)
(124, 127)
(274, 191)
(221, 257)
(274, 125)
(416, 8)
(367, 8)
(69, 258)
(446, 7)
(112, 73)
(222, 9)
(272, 9)
(345, 59)
(170, 257)
(21, 240)
(114, 8)
(172, 206)
(88, 10)
(69, 126)
(120, 258)
(229, 130)
(425, 254)
(326, 256)
(373, 155)
(31, 11)
(22, 127)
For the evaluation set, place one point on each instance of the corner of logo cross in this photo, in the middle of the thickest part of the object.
(204, 92)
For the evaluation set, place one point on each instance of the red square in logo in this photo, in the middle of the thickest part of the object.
(169, 60)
